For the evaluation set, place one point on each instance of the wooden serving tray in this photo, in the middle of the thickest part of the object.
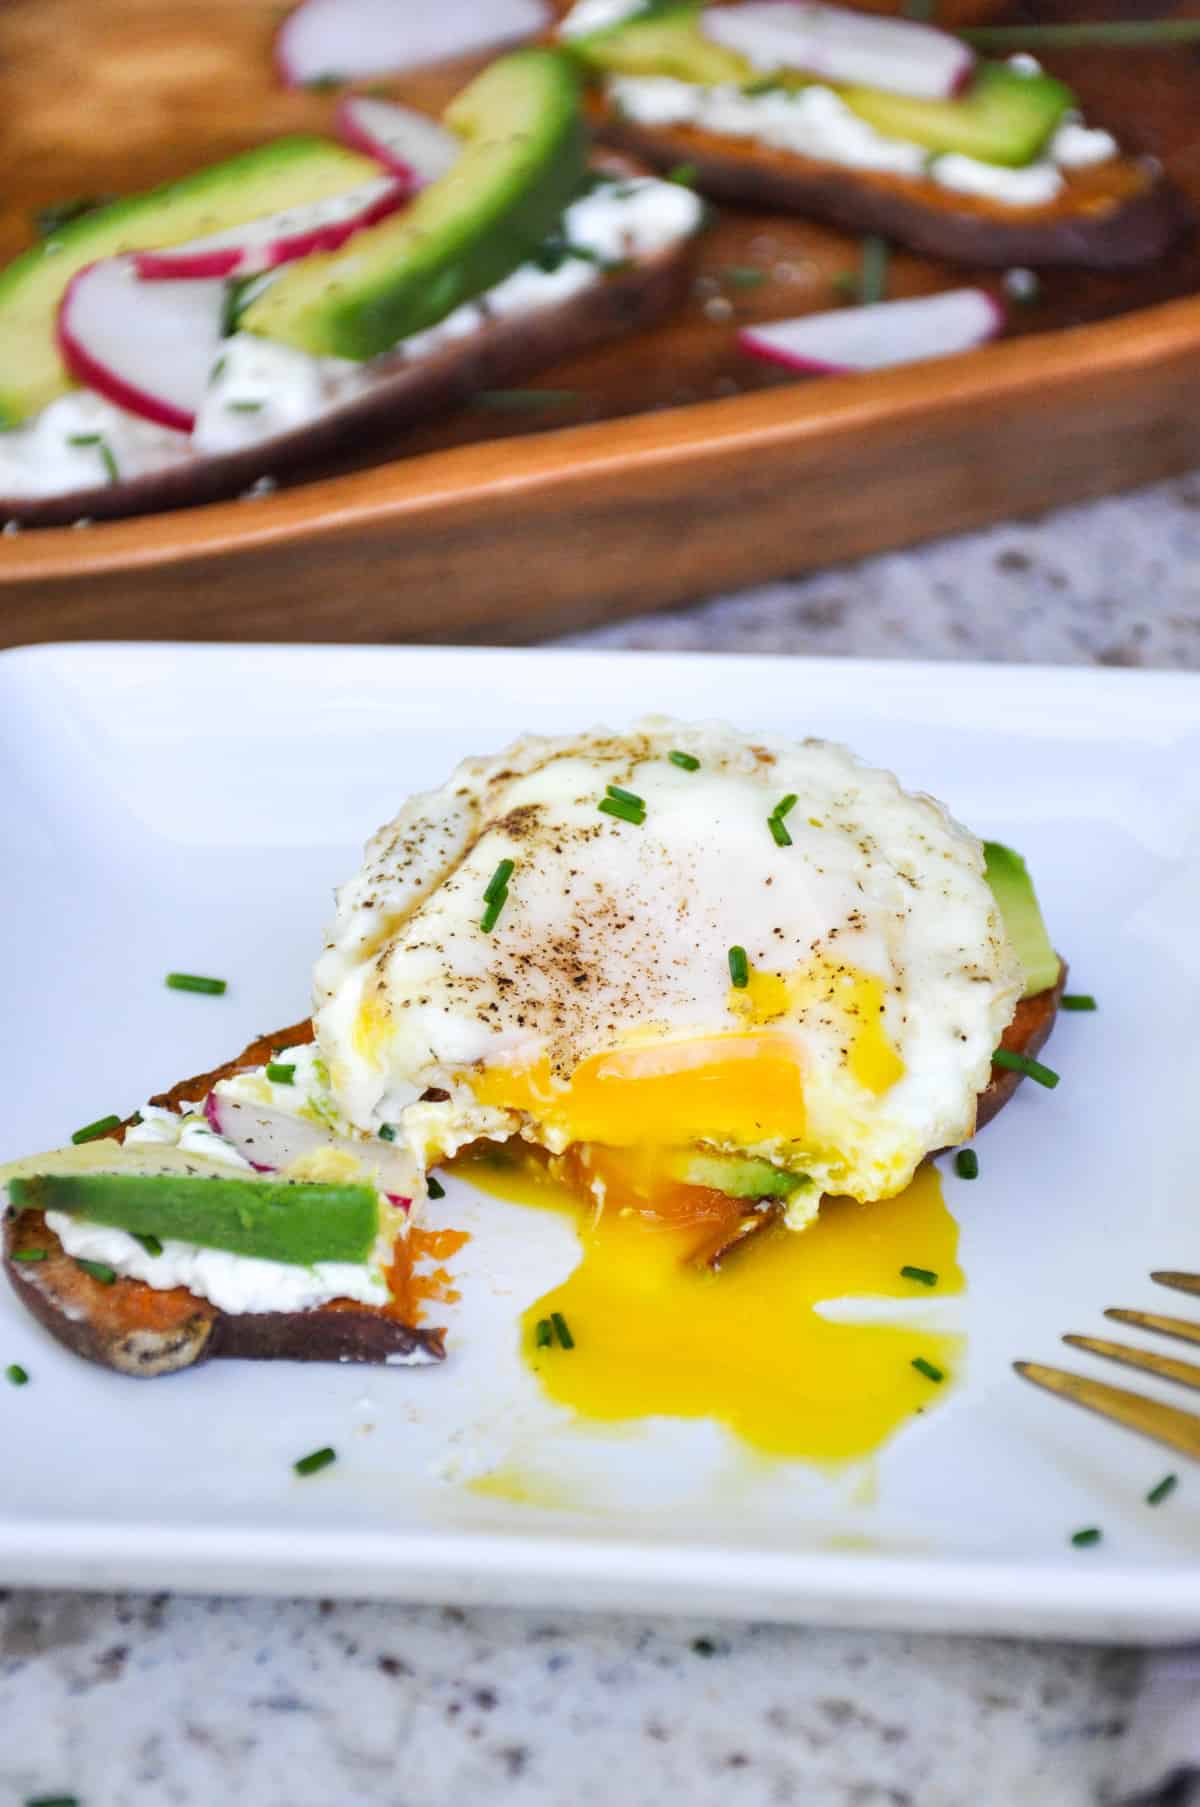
(676, 466)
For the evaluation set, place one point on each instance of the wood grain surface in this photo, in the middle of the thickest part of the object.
(677, 467)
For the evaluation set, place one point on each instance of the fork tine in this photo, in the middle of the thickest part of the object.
(1182, 1283)
(1183, 1328)
(1167, 1367)
(1163, 1423)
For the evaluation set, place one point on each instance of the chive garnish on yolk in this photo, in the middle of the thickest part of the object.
(563, 1333)
(925, 1275)
(687, 762)
(1022, 1063)
(544, 1335)
(496, 895)
(92, 1131)
(739, 968)
(928, 1370)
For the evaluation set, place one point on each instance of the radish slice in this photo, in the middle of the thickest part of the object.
(328, 40)
(415, 148)
(872, 338)
(270, 1139)
(898, 55)
(277, 238)
(148, 347)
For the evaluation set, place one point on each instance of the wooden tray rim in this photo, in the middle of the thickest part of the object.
(570, 460)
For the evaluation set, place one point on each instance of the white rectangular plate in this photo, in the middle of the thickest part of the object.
(192, 807)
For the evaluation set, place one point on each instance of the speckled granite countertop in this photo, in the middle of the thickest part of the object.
(200, 1702)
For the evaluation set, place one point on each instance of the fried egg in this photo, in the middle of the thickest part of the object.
(630, 949)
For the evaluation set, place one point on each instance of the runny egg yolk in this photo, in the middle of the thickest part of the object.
(658, 1333)
(856, 997)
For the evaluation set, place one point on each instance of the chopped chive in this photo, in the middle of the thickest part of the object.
(684, 174)
(1165, 1487)
(49, 220)
(928, 1370)
(320, 1458)
(25, 1255)
(434, 1187)
(743, 276)
(739, 968)
(1021, 1063)
(766, 84)
(99, 1270)
(625, 812)
(83, 439)
(614, 790)
(525, 401)
(966, 1164)
(281, 1073)
(217, 370)
(387, 1132)
(244, 407)
(925, 1275)
(1089, 1535)
(543, 1336)
(54, 1800)
(15, 1375)
(872, 285)
(108, 461)
(151, 1244)
(491, 913)
(1078, 1000)
(498, 883)
(687, 762)
(779, 833)
(563, 1333)
(194, 982)
(1126, 34)
(91, 1132)
(785, 806)
(324, 84)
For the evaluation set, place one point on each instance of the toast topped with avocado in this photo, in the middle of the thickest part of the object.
(187, 343)
(239, 1215)
(877, 124)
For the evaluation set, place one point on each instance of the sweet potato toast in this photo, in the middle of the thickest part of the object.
(507, 351)
(1111, 216)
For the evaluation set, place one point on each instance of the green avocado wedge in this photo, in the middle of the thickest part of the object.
(287, 172)
(1017, 902)
(1005, 116)
(662, 40)
(274, 1220)
(737, 1176)
(522, 162)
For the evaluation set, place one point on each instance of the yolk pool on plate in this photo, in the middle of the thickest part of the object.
(658, 1333)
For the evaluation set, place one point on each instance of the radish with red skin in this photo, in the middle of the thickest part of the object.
(416, 149)
(147, 347)
(887, 333)
(900, 56)
(332, 40)
(271, 1139)
(263, 244)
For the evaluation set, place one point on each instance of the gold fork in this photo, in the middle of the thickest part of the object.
(1164, 1423)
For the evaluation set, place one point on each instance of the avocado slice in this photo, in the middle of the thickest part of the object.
(1017, 902)
(1004, 117)
(522, 162)
(662, 40)
(274, 1220)
(285, 173)
(738, 1176)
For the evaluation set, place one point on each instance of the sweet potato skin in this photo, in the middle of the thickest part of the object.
(1136, 227)
(145, 1333)
(505, 352)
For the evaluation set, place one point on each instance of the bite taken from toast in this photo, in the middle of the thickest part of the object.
(701, 978)
(876, 124)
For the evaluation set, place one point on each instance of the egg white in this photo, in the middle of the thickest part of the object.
(616, 937)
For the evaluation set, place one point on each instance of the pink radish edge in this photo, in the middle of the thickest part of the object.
(351, 133)
(213, 1118)
(157, 266)
(93, 375)
(749, 341)
(170, 266)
